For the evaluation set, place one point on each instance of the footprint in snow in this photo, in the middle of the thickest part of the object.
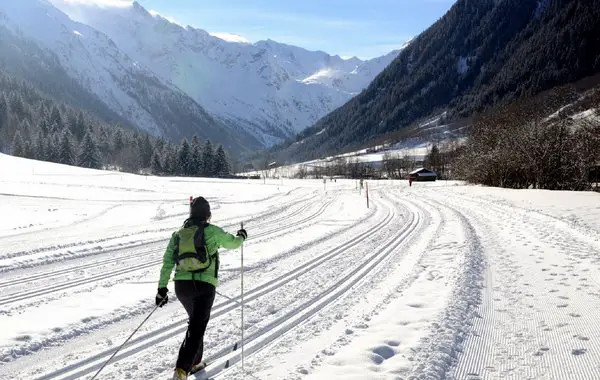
(383, 352)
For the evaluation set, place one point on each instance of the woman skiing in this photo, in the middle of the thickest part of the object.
(193, 251)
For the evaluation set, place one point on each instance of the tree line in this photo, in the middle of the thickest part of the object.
(35, 126)
(526, 145)
(479, 55)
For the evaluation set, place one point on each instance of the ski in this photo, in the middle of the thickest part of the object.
(198, 368)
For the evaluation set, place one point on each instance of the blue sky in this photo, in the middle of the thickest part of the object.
(365, 28)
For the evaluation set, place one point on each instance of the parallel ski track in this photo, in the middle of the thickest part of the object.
(91, 364)
(132, 256)
(229, 220)
(13, 298)
(255, 342)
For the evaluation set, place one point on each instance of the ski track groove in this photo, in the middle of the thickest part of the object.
(22, 296)
(446, 340)
(227, 223)
(538, 309)
(298, 315)
(150, 339)
(178, 327)
(366, 285)
(130, 256)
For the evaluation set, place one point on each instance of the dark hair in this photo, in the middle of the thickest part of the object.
(200, 209)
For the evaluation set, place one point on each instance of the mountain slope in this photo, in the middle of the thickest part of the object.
(479, 54)
(126, 87)
(272, 89)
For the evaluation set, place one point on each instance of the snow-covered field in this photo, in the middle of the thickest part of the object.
(433, 281)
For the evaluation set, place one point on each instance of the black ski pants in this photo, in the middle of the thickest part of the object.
(197, 298)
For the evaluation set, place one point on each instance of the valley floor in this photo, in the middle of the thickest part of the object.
(433, 281)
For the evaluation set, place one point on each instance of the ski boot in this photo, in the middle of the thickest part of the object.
(180, 374)
(198, 367)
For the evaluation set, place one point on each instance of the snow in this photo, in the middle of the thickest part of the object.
(230, 37)
(438, 280)
(94, 61)
(271, 89)
(463, 65)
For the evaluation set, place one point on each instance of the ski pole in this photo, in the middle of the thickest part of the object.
(242, 284)
(124, 343)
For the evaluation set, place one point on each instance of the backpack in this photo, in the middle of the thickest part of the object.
(190, 250)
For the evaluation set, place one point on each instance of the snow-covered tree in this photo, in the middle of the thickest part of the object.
(184, 156)
(208, 160)
(221, 165)
(17, 145)
(89, 157)
(66, 152)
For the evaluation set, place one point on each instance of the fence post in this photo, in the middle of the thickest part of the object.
(367, 191)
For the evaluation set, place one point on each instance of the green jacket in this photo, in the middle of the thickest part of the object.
(214, 238)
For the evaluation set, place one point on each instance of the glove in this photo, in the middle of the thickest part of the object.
(161, 297)
(243, 234)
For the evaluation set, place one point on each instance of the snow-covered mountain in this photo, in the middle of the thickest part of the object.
(271, 89)
(101, 67)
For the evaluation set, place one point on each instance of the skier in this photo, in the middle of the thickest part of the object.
(193, 249)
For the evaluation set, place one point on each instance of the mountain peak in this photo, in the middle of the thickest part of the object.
(137, 8)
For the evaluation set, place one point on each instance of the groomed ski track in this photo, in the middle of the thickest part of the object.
(428, 283)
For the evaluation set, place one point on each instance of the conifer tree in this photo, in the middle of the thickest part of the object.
(17, 145)
(66, 152)
(208, 160)
(222, 167)
(196, 166)
(28, 150)
(89, 157)
(3, 112)
(184, 158)
(156, 165)
(40, 147)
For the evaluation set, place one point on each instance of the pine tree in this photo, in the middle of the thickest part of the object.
(28, 150)
(170, 160)
(222, 167)
(208, 160)
(52, 149)
(145, 147)
(78, 127)
(55, 120)
(40, 147)
(196, 167)
(17, 145)
(89, 157)
(3, 112)
(156, 166)
(66, 153)
(17, 107)
(184, 158)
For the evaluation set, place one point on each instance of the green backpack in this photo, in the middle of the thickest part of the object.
(190, 250)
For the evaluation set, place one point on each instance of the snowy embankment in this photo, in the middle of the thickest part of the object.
(433, 281)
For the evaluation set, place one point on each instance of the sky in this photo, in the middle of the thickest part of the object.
(362, 28)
